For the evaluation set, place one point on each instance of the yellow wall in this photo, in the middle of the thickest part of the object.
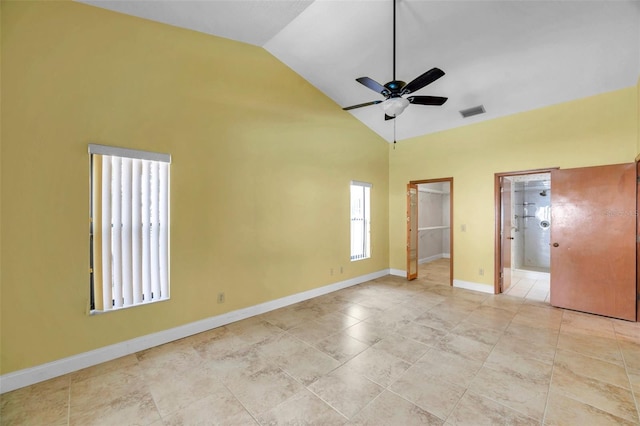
(597, 130)
(259, 180)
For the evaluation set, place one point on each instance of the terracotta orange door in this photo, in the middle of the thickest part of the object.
(412, 231)
(505, 234)
(593, 240)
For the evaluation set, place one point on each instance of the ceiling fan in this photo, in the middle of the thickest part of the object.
(395, 90)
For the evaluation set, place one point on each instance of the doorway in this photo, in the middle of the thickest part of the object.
(523, 230)
(429, 231)
(592, 237)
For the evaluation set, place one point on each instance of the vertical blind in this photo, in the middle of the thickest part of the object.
(360, 220)
(130, 221)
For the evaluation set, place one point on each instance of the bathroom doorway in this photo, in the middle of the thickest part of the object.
(523, 229)
(429, 231)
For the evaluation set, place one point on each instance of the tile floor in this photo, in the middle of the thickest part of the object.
(531, 285)
(385, 352)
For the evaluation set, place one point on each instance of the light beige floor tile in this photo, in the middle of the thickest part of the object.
(627, 331)
(490, 317)
(529, 343)
(234, 366)
(391, 319)
(472, 330)
(567, 411)
(312, 331)
(255, 331)
(475, 410)
(630, 354)
(368, 333)
(634, 378)
(464, 346)
(361, 312)
(307, 364)
(173, 390)
(504, 301)
(519, 364)
(539, 316)
(118, 397)
(428, 392)
(586, 324)
(422, 333)
(337, 320)
(178, 355)
(378, 366)
(105, 367)
(592, 367)
(220, 408)
(449, 367)
(604, 396)
(277, 348)
(263, 390)
(402, 347)
(303, 408)
(441, 318)
(346, 391)
(520, 393)
(341, 346)
(594, 346)
(390, 409)
(286, 318)
(45, 403)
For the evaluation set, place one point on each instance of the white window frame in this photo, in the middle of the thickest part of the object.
(360, 219)
(129, 221)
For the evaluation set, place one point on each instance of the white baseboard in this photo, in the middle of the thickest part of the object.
(39, 373)
(398, 272)
(536, 275)
(446, 255)
(484, 288)
(430, 258)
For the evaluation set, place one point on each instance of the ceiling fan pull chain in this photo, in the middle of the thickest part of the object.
(394, 135)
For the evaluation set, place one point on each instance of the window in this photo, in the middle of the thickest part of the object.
(129, 236)
(360, 220)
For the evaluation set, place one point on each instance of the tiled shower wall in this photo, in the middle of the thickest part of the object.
(531, 245)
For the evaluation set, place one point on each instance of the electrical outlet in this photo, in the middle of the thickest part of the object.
(463, 227)
(341, 269)
(220, 297)
(331, 271)
(481, 271)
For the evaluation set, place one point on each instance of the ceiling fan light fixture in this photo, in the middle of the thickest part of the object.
(393, 107)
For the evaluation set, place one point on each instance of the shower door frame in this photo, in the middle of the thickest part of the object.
(497, 196)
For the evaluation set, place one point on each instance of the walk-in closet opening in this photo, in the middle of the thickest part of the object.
(431, 232)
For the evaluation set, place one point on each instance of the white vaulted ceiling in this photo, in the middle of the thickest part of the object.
(510, 56)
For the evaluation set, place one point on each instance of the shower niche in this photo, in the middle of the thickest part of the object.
(531, 223)
(434, 201)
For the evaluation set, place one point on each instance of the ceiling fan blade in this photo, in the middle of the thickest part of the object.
(427, 100)
(427, 78)
(372, 84)
(361, 105)
(388, 117)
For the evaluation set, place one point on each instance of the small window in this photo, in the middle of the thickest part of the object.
(129, 235)
(360, 220)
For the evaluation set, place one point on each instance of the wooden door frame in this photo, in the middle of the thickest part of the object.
(440, 180)
(637, 160)
(497, 202)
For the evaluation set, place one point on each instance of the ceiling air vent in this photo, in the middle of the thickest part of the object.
(469, 112)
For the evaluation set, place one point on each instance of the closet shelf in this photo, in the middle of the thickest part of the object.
(433, 191)
(429, 228)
